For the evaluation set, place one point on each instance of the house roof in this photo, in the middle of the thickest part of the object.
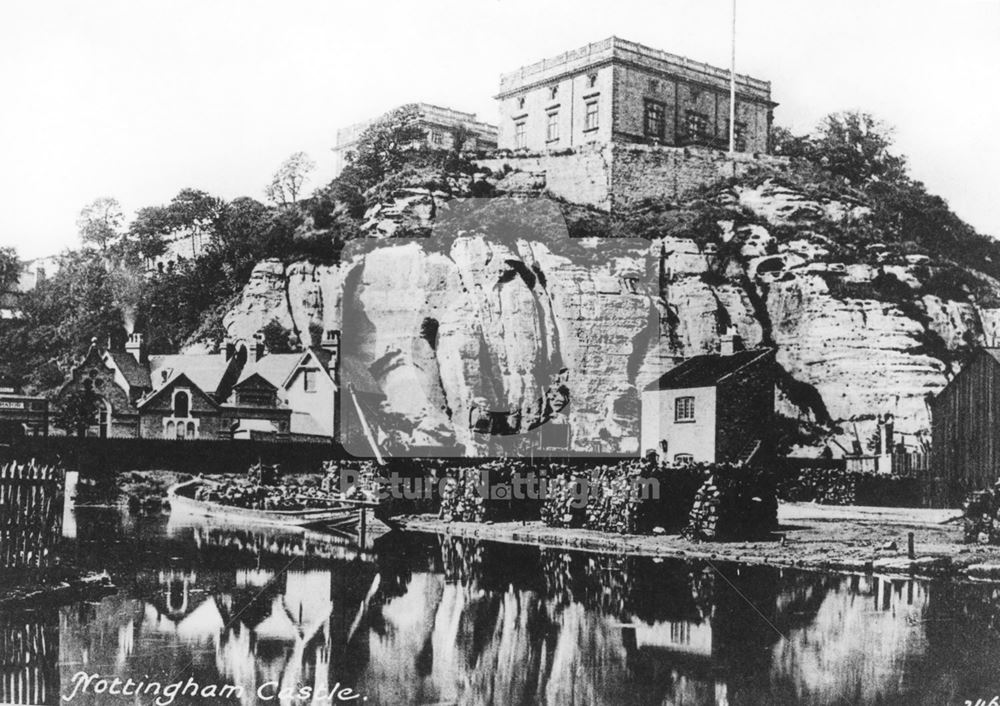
(323, 357)
(706, 370)
(175, 379)
(274, 367)
(206, 370)
(135, 374)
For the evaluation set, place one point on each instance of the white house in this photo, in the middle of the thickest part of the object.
(711, 408)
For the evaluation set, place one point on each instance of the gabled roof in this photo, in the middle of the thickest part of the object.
(255, 377)
(323, 358)
(135, 374)
(206, 370)
(274, 367)
(707, 370)
(177, 379)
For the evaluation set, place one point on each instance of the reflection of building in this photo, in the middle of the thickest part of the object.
(440, 126)
(711, 407)
(616, 90)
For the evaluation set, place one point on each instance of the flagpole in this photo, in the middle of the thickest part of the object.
(732, 88)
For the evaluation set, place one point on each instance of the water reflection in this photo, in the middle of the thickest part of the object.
(425, 620)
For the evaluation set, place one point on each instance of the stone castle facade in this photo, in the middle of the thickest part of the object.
(619, 91)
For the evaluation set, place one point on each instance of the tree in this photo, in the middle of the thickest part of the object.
(77, 411)
(100, 222)
(10, 269)
(382, 146)
(853, 146)
(278, 339)
(287, 183)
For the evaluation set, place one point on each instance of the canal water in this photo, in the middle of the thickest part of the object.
(420, 619)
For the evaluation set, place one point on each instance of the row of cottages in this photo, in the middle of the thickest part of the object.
(712, 408)
(241, 392)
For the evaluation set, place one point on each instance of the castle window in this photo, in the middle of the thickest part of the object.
(590, 117)
(654, 85)
(520, 135)
(684, 409)
(741, 136)
(436, 137)
(553, 92)
(552, 127)
(655, 120)
(591, 80)
(696, 125)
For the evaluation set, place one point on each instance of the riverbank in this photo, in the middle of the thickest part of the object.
(822, 537)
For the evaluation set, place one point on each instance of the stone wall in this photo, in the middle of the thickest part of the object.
(616, 175)
(582, 175)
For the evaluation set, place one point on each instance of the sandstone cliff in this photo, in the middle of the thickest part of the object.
(500, 333)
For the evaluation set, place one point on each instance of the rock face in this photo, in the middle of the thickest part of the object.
(500, 335)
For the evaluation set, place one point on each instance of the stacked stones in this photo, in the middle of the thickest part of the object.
(982, 516)
(561, 507)
(460, 501)
(733, 503)
(264, 474)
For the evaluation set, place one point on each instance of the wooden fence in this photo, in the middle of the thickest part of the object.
(31, 509)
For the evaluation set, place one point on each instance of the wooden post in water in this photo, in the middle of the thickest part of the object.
(909, 546)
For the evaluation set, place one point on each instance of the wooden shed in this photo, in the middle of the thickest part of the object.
(965, 426)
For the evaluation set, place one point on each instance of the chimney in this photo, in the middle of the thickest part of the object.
(331, 341)
(136, 346)
(730, 342)
(258, 346)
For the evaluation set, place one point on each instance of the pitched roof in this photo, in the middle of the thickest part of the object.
(323, 357)
(274, 367)
(135, 374)
(175, 378)
(206, 370)
(706, 370)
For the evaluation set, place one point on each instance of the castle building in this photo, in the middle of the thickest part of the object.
(619, 91)
(439, 126)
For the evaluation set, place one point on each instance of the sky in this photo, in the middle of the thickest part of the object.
(137, 99)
